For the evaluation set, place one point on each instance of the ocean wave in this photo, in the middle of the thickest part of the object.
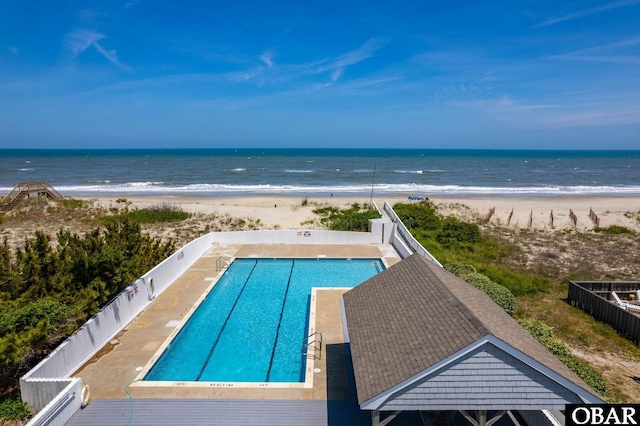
(150, 188)
(27, 169)
(298, 171)
(142, 184)
(419, 172)
(239, 169)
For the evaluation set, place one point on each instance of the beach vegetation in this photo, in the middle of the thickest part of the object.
(451, 240)
(614, 230)
(355, 218)
(150, 215)
(544, 334)
(14, 408)
(70, 203)
(47, 289)
(501, 295)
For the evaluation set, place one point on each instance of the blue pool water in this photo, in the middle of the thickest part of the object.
(251, 326)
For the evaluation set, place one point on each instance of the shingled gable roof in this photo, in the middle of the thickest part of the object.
(416, 314)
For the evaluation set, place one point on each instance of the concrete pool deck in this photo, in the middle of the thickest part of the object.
(121, 361)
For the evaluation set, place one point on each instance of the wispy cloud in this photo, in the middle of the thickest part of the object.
(335, 75)
(267, 58)
(333, 66)
(600, 112)
(80, 40)
(349, 58)
(605, 53)
(587, 12)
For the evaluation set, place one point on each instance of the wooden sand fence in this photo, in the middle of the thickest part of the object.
(573, 217)
(594, 299)
(594, 217)
(510, 216)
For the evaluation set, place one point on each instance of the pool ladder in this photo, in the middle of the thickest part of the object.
(312, 346)
(222, 263)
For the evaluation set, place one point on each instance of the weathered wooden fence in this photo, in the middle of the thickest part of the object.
(593, 298)
(594, 217)
(573, 217)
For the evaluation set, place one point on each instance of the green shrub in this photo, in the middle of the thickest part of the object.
(614, 230)
(456, 234)
(544, 334)
(459, 268)
(586, 372)
(499, 294)
(16, 320)
(423, 215)
(355, 218)
(14, 409)
(73, 204)
(158, 214)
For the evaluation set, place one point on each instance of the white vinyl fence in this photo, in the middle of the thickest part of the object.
(101, 328)
(47, 387)
(403, 241)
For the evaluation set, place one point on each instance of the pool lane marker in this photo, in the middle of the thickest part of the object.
(284, 301)
(204, 365)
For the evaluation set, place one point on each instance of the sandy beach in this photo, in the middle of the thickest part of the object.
(289, 212)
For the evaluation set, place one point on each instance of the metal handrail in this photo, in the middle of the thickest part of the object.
(316, 351)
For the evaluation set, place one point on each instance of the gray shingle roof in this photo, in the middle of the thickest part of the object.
(414, 315)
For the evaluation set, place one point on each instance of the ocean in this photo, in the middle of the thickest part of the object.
(321, 172)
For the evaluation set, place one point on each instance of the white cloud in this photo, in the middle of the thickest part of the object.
(80, 40)
(267, 58)
(605, 53)
(587, 12)
(601, 112)
(335, 75)
(349, 58)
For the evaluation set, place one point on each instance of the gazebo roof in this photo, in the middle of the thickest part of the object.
(417, 328)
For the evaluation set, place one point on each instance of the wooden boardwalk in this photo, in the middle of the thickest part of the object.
(27, 189)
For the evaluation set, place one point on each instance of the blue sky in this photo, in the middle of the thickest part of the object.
(402, 74)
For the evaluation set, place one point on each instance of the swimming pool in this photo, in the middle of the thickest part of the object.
(252, 324)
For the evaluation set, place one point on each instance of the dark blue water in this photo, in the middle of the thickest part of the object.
(320, 172)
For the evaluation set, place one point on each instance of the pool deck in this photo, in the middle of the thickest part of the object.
(127, 356)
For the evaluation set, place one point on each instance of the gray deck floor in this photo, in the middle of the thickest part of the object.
(109, 412)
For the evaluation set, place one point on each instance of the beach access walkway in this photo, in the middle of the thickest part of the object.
(27, 189)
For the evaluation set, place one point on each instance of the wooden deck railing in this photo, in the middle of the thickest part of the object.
(26, 189)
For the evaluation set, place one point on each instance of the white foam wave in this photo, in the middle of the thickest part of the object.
(419, 172)
(142, 184)
(298, 171)
(238, 169)
(27, 169)
(380, 188)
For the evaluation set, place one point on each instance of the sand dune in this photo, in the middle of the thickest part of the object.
(540, 213)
